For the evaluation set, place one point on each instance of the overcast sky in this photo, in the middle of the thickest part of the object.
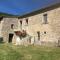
(20, 7)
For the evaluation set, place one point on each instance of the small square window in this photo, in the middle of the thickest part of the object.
(44, 32)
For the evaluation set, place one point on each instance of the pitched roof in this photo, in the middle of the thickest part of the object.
(23, 7)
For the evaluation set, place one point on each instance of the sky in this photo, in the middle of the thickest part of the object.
(21, 7)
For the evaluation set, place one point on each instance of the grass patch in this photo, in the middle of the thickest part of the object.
(11, 52)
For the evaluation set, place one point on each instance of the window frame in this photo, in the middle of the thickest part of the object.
(45, 18)
(21, 22)
(26, 20)
(12, 26)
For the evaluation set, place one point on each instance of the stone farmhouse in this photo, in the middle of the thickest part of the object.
(41, 27)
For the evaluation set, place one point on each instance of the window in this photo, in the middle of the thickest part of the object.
(21, 22)
(38, 33)
(12, 26)
(45, 18)
(27, 21)
(44, 32)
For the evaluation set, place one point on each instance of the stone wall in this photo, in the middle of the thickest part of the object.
(50, 32)
(6, 27)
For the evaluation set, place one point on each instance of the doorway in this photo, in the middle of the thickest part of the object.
(10, 37)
